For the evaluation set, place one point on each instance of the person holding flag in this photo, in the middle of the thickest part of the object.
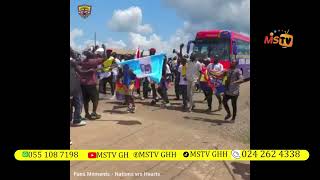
(149, 67)
(138, 80)
(152, 51)
(128, 84)
(145, 85)
(163, 85)
(216, 74)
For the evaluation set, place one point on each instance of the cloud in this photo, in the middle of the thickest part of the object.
(146, 28)
(129, 20)
(222, 14)
(74, 34)
(144, 42)
(182, 35)
(115, 44)
(110, 43)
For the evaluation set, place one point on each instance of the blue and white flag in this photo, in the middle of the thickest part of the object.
(149, 66)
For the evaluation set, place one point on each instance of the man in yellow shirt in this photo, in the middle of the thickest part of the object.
(106, 75)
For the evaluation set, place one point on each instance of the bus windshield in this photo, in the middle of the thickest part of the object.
(220, 47)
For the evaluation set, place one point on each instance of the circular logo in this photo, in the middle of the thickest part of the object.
(236, 154)
(186, 154)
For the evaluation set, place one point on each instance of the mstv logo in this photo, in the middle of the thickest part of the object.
(279, 37)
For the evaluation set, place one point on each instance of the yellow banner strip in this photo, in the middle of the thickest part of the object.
(161, 155)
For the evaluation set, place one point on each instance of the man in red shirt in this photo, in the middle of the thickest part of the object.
(89, 84)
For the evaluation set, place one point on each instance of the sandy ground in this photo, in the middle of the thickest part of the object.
(153, 127)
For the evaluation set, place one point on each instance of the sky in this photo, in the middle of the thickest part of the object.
(160, 24)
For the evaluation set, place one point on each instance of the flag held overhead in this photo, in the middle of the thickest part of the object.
(149, 66)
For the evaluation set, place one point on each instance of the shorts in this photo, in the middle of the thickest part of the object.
(128, 91)
(204, 86)
(219, 90)
(89, 93)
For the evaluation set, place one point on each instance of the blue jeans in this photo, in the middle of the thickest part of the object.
(77, 104)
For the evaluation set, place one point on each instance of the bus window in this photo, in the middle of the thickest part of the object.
(204, 50)
(220, 47)
(243, 48)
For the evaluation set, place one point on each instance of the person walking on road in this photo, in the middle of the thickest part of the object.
(128, 83)
(204, 84)
(183, 83)
(192, 75)
(215, 71)
(234, 78)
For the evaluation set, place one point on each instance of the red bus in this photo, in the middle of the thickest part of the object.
(225, 45)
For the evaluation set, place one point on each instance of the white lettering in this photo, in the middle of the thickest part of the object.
(123, 174)
(79, 174)
(151, 174)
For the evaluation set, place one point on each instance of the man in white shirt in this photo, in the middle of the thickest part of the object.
(215, 65)
(216, 68)
(192, 75)
(183, 84)
(115, 71)
(168, 73)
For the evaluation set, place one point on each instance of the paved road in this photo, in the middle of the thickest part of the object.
(153, 127)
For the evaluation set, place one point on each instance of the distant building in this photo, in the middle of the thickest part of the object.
(123, 51)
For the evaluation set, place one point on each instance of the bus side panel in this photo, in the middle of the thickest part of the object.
(244, 65)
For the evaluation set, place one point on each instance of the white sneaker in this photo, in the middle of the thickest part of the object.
(136, 96)
(81, 123)
(167, 105)
(112, 97)
(133, 109)
(70, 142)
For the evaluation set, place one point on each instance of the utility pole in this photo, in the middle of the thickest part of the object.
(95, 36)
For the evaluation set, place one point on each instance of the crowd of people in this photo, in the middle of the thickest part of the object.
(98, 66)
